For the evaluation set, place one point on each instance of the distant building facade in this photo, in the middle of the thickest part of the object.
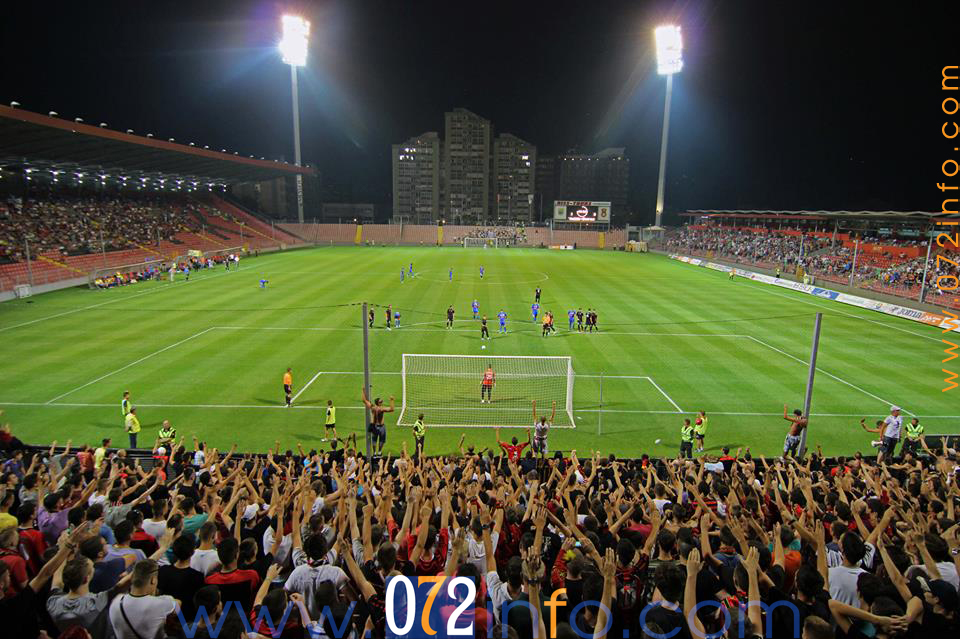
(514, 170)
(468, 165)
(417, 179)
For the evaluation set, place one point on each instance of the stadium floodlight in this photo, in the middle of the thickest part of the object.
(14, 104)
(78, 120)
(53, 114)
(130, 131)
(293, 50)
(669, 61)
(669, 49)
(103, 125)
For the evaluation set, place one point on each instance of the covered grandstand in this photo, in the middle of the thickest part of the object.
(900, 254)
(78, 197)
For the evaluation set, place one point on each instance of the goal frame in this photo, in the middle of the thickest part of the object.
(485, 242)
(568, 406)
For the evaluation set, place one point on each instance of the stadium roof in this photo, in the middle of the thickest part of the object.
(36, 141)
(898, 216)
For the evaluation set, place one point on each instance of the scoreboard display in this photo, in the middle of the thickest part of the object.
(581, 211)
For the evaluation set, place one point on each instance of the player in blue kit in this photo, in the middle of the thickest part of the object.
(502, 316)
(451, 273)
(481, 272)
(411, 269)
(571, 316)
(535, 309)
(476, 308)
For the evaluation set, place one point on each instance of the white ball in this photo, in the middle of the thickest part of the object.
(658, 441)
(483, 346)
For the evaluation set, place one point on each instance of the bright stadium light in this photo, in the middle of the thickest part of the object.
(293, 44)
(669, 49)
(669, 61)
(293, 50)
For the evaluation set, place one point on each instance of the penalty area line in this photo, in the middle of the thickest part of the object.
(300, 392)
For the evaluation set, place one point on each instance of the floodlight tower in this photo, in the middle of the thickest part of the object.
(669, 61)
(293, 50)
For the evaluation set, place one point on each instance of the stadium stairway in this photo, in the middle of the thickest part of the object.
(254, 224)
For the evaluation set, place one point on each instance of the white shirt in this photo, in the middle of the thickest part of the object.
(476, 553)
(283, 551)
(893, 426)
(205, 562)
(198, 458)
(155, 529)
(147, 615)
(305, 579)
(843, 585)
(499, 595)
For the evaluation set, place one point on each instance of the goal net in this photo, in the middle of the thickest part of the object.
(486, 242)
(447, 388)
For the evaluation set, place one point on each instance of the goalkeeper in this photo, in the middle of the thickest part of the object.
(487, 384)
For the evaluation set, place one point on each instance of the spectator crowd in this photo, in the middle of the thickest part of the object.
(93, 544)
(77, 225)
(889, 271)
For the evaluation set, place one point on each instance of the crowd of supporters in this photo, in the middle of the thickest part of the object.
(76, 225)
(515, 234)
(748, 246)
(892, 270)
(94, 545)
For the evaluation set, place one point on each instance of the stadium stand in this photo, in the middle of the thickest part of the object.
(893, 266)
(838, 541)
(70, 236)
(453, 235)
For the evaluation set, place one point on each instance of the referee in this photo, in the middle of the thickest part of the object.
(288, 386)
(419, 433)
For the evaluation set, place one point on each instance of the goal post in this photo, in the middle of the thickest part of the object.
(481, 242)
(447, 390)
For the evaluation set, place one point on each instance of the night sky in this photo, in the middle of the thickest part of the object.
(799, 105)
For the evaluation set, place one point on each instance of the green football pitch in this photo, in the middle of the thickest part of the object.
(209, 354)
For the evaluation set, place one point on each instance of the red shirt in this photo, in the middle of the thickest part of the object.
(33, 546)
(488, 378)
(85, 459)
(18, 570)
(435, 564)
(513, 452)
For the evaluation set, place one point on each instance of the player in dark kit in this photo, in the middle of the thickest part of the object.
(449, 317)
(371, 318)
(484, 333)
(537, 294)
(580, 320)
(389, 314)
(593, 322)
